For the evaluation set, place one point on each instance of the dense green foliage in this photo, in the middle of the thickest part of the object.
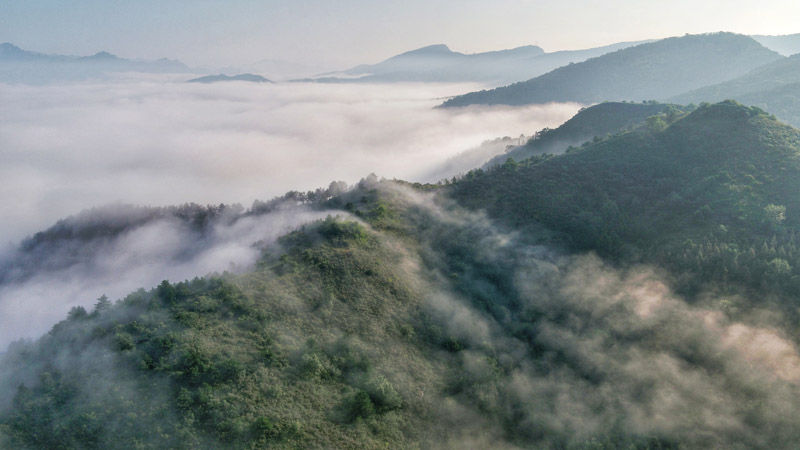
(594, 121)
(712, 197)
(657, 70)
(411, 322)
(294, 354)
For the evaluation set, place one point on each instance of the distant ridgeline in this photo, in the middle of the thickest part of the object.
(22, 66)
(506, 309)
(437, 63)
(249, 77)
(656, 70)
(683, 70)
(774, 87)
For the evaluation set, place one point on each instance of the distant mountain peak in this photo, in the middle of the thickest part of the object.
(250, 77)
(103, 55)
(9, 49)
(9, 46)
(434, 50)
(527, 47)
(22, 66)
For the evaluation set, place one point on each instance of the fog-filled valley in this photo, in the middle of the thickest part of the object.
(159, 142)
(153, 141)
(603, 253)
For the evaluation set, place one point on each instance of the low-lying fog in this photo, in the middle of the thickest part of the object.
(160, 141)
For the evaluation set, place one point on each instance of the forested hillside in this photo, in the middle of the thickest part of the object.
(657, 70)
(711, 195)
(594, 121)
(636, 292)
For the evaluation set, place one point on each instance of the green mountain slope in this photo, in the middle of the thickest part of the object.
(594, 121)
(657, 70)
(411, 321)
(711, 196)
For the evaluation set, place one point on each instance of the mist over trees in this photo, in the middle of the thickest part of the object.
(636, 291)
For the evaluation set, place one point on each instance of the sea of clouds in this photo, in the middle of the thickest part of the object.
(159, 141)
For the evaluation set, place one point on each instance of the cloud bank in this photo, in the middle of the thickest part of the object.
(116, 250)
(159, 141)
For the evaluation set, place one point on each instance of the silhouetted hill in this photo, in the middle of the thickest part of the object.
(786, 45)
(773, 87)
(222, 77)
(22, 66)
(657, 70)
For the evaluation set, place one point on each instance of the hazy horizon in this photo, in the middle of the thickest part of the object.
(217, 34)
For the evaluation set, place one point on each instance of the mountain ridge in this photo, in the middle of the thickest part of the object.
(22, 66)
(656, 70)
(774, 87)
(438, 63)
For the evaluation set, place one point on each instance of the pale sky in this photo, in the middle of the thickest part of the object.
(341, 33)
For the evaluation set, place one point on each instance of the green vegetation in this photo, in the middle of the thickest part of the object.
(711, 197)
(595, 121)
(410, 321)
(295, 354)
(657, 70)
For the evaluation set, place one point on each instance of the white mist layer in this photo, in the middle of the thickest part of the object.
(162, 249)
(156, 141)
